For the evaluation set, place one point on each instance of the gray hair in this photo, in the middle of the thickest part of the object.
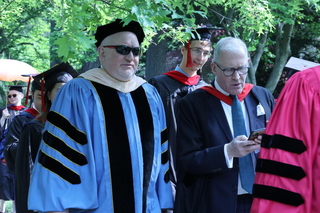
(229, 44)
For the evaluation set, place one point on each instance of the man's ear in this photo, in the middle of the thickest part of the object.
(183, 48)
(213, 67)
(101, 52)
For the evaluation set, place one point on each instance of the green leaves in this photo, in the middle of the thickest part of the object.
(63, 50)
(70, 24)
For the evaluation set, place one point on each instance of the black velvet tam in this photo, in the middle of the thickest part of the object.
(118, 26)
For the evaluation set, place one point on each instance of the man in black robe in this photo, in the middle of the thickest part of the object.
(209, 149)
(175, 84)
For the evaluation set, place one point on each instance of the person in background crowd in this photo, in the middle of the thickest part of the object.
(15, 96)
(31, 133)
(213, 140)
(175, 84)
(11, 136)
(104, 142)
(288, 174)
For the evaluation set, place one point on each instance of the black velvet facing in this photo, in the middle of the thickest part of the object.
(165, 155)
(59, 145)
(58, 168)
(164, 136)
(277, 194)
(119, 150)
(280, 169)
(62, 123)
(282, 142)
(147, 137)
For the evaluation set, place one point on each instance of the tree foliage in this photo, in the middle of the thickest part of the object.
(39, 32)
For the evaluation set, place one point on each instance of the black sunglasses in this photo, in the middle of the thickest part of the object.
(125, 50)
(14, 95)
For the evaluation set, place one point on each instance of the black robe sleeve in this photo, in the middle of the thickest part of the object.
(12, 139)
(27, 150)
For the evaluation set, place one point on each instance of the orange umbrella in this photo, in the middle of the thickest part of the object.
(12, 70)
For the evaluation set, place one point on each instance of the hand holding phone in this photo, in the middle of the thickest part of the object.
(254, 134)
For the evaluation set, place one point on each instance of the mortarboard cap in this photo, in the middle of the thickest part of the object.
(300, 64)
(60, 73)
(16, 87)
(34, 85)
(202, 33)
(117, 26)
(297, 64)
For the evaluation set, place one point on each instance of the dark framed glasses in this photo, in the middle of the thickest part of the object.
(125, 50)
(230, 71)
(198, 51)
(14, 95)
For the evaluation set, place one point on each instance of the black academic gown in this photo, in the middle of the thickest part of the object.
(26, 153)
(8, 120)
(205, 183)
(171, 91)
(12, 135)
(6, 176)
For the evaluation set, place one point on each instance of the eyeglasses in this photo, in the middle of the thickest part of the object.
(230, 71)
(198, 51)
(14, 95)
(125, 50)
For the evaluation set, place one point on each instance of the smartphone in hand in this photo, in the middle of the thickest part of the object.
(254, 134)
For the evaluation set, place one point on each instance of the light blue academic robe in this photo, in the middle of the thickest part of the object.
(77, 167)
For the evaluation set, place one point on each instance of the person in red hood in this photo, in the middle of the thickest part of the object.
(288, 177)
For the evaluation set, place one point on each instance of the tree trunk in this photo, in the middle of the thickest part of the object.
(54, 59)
(283, 52)
(4, 50)
(256, 59)
(156, 58)
(89, 65)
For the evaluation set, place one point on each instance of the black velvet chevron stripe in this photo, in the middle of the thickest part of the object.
(164, 139)
(164, 136)
(282, 142)
(147, 136)
(164, 157)
(119, 150)
(63, 124)
(57, 144)
(280, 169)
(277, 194)
(58, 168)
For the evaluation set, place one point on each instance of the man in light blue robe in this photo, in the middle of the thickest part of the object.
(104, 146)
